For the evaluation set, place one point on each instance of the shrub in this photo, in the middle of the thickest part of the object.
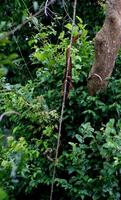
(89, 160)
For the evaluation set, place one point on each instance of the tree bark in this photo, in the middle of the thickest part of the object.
(107, 43)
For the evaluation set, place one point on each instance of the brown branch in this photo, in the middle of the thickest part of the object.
(69, 63)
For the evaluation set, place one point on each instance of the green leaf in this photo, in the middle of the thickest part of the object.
(68, 26)
(79, 138)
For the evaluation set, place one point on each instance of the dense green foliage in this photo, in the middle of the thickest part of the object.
(32, 65)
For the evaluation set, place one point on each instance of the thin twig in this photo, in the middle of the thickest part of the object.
(22, 56)
(67, 14)
(47, 4)
(63, 105)
(8, 113)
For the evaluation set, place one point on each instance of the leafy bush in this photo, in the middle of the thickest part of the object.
(93, 163)
(89, 162)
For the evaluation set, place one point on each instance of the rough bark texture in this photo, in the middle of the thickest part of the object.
(107, 44)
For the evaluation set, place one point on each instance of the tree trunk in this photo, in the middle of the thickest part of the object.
(107, 44)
